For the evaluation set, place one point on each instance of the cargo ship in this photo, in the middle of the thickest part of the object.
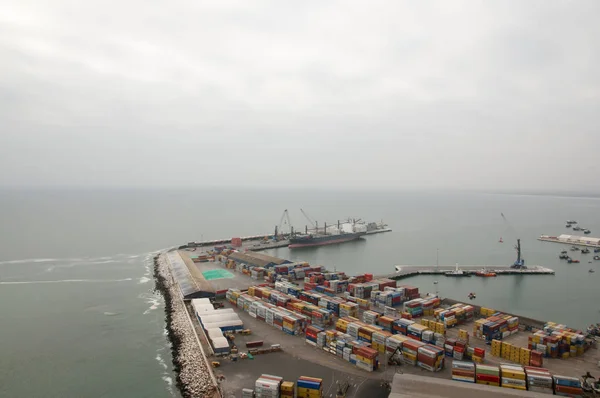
(330, 236)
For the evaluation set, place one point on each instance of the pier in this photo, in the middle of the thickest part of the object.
(576, 240)
(406, 271)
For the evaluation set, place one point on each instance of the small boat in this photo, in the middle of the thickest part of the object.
(596, 257)
(574, 248)
(597, 250)
(573, 261)
(563, 252)
(587, 231)
(568, 226)
(585, 250)
(485, 274)
(571, 222)
(457, 273)
(591, 271)
(500, 241)
(563, 256)
(472, 296)
(577, 228)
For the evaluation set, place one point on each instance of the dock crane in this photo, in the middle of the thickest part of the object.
(520, 262)
(285, 218)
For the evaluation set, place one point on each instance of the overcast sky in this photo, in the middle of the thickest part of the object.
(370, 94)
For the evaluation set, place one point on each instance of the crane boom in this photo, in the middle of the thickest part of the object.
(308, 218)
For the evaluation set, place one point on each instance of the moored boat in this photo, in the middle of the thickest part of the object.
(485, 274)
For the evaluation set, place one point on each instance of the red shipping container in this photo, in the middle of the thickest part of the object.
(236, 242)
(493, 379)
(479, 352)
(568, 390)
(413, 344)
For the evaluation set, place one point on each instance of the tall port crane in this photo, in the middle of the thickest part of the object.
(520, 262)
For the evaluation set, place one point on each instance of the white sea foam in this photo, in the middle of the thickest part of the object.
(67, 281)
(143, 279)
(32, 260)
(154, 303)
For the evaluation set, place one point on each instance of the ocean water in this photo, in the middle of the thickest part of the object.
(79, 316)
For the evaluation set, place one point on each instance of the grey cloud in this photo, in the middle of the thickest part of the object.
(428, 94)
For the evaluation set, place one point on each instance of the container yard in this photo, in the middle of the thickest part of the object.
(260, 316)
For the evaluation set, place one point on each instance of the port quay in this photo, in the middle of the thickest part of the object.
(244, 324)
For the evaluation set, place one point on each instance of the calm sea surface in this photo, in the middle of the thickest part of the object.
(80, 319)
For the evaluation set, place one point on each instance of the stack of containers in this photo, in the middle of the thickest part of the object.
(287, 389)
(309, 387)
(267, 386)
(401, 326)
(232, 296)
(567, 386)
(448, 318)
(463, 335)
(390, 312)
(371, 317)
(496, 348)
(449, 347)
(365, 334)
(488, 375)
(463, 371)
(414, 307)
(478, 355)
(366, 358)
(539, 380)
(247, 393)
(386, 323)
(395, 341)
(524, 356)
(410, 350)
(410, 292)
(428, 336)
(321, 339)
(536, 359)
(348, 309)
(429, 306)
(458, 352)
(352, 329)
(312, 333)
(439, 340)
(415, 331)
(513, 376)
(430, 357)
(380, 339)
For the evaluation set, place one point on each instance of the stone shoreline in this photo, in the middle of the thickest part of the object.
(193, 376)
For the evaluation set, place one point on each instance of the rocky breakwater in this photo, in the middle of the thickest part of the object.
(194, 378)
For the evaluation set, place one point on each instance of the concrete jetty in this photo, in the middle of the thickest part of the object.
(405, 271)
(575, 240)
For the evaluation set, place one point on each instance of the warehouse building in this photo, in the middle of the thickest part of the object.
(257, 259)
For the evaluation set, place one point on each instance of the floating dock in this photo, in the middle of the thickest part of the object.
(576, 240)
(405, 271)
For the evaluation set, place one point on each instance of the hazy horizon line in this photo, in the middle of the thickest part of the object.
(533, 192)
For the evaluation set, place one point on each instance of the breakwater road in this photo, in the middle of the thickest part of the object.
(194, 376)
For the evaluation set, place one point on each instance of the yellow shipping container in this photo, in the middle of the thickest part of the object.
(579, 350)
(412, 357)
(425, 322)
(287, 386)
(513, 374)
(304, 392)
(565, 355)
(477, 359)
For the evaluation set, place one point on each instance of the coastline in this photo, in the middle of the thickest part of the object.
(193, 376)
